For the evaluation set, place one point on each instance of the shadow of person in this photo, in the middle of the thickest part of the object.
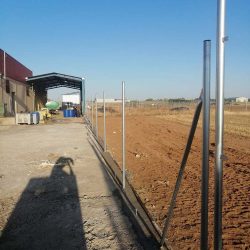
(48, 213)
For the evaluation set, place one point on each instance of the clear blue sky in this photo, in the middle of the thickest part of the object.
(155, 46)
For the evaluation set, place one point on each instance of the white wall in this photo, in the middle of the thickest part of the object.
(75, 99)
(241, 99)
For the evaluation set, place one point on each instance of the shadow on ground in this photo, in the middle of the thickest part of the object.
(48, 213)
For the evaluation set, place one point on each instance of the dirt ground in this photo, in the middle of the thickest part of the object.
(55, 193)
(154, 149)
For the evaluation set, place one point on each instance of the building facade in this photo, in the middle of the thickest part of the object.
(15, 95)
(242, 99)
(73, 98)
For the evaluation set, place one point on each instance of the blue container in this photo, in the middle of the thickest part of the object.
(72, 113)
(69, 113)
(66, 113)
(35, 117)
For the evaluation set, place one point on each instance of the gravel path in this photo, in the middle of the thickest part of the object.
(55, 193)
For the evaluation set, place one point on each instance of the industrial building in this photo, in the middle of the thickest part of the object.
(71, 98)
(241, 99)
(20, 91)
(110, 100)
(42, 83)
(15, 94)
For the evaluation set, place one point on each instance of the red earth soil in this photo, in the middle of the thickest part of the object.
(154, 149)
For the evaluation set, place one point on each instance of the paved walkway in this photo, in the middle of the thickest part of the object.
(55, 193)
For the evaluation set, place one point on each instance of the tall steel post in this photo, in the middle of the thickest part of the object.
(96, 118)
(83, 96)
(219, 126)
(104, 124)
(92, 113)
(88, 109)
(123, 138)
(205, 143)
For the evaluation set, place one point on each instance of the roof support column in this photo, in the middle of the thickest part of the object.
(83, 96)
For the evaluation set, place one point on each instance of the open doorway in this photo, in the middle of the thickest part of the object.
(48, 82)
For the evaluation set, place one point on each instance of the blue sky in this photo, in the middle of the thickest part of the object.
(155, 46)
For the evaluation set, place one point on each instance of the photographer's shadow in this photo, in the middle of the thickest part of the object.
(48, 213)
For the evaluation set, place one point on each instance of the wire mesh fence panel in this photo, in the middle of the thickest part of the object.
(156, 135)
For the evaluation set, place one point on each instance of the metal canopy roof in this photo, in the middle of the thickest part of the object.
(55, 80)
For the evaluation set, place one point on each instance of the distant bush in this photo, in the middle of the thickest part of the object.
(180, 100)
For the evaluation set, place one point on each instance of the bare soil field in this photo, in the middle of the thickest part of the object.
(155, 142)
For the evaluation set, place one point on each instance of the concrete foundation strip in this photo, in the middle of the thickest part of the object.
(147, 229)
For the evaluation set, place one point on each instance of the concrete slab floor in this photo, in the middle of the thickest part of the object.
(55, 193)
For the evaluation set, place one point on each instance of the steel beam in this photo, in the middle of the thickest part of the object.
(104, 124)
(123, 138)
(219, 124)
(205, 144)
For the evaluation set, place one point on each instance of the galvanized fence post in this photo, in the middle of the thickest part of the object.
(92, 114)
(83, 97)
(96, 118)
(89, 105)
(219, 127)
(87, 110)
(205, 147)
(104, 124)
(123, 138)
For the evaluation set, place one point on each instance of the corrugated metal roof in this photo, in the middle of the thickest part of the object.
(14, 69)
(55, 80)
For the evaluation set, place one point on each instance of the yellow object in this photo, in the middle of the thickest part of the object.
(44, 114)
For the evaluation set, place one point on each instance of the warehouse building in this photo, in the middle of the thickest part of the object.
(241, 99)
(71, 100)
(15, 94)
(42, 83)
